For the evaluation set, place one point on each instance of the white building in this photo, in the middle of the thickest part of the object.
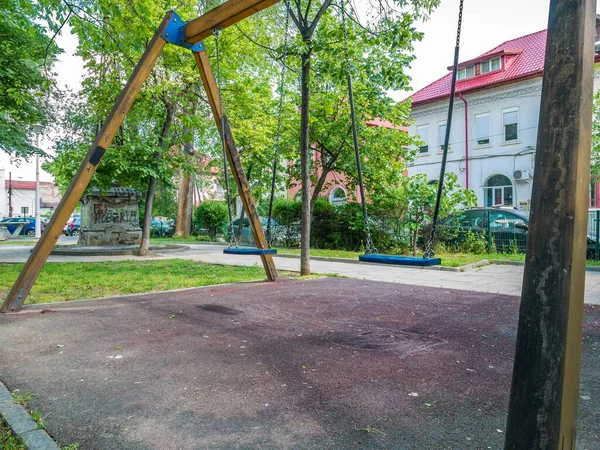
(20, 196)
(494, 124)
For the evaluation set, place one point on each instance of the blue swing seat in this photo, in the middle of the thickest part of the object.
(400, 260)
(249, 251)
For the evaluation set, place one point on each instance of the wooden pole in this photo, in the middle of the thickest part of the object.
(53, 231)
(235, 163)
(223, 16)
(545, 385)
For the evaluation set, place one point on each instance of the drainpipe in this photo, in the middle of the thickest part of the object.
(466, 140)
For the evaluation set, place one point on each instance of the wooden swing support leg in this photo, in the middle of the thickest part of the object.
(53, 231)
(212, 92)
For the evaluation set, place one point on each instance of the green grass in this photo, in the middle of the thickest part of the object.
(8, 441)
(176, 240)
(18, 242)
(71, 281)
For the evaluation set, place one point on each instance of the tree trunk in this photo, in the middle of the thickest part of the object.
(145, 244)
(184, 207)
(305, 164)
(414, 242)
(147, 225)
(318, 187)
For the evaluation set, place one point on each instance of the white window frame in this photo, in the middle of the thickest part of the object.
(477, 136)
(487, 64)
(506, 111)
(472, 69)
(426, 146)
(461, 74)
(338, 202)
(441, 136)
(492, 64)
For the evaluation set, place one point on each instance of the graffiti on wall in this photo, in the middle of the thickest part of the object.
(120, 215)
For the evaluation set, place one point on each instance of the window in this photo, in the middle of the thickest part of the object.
(468, 219)
(482, 128)
(492, 64)
(423, 132)
(510, 119)
(24, 210)
(465, 72)
(498, 191)
(337, 196)
(442, 135)
(502, 220)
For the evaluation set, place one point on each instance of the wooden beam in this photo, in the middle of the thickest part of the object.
(53, 231)
(235, 163)
(545, 385)
(223, 16)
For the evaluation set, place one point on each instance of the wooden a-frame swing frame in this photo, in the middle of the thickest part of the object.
(189, 35)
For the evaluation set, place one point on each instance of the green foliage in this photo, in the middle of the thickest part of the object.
(26, 54)
(287, 212)
(595, 156)
(212, 216)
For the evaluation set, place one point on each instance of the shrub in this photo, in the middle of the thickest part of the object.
(212, 216)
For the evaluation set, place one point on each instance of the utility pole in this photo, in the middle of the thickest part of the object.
(37, 129)
(544, 395)
(10, 208)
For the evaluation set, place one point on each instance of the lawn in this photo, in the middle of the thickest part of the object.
(448, 259)
(71, 281)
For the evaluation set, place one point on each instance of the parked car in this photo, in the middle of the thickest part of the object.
(73, 226)
(28, 229)
(247, 237)
(509, 228)
(161, 228)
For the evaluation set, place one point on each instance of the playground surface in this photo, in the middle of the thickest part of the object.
(329, 363)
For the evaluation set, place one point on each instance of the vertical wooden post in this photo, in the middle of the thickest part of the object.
(53, 231)
(545, 385)
(235, 163)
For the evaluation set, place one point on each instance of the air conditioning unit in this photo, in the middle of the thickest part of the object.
(521, 175)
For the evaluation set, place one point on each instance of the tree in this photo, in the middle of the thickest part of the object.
(595, 156)
(382, 50)
(26, 57)
(418, 197)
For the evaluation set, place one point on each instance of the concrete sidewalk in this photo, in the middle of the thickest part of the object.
(498, 279)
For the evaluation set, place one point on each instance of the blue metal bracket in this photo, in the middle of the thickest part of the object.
(174, 34)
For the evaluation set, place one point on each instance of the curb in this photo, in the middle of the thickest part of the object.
(22, 424)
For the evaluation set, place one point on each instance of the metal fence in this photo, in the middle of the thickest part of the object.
(593, 235)
(507, 233)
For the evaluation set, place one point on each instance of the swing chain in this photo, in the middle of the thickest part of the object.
(232, 239)
(269, 234)
(429, 249)
(369, 246)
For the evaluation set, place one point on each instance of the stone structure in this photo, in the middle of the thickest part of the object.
(110, 218)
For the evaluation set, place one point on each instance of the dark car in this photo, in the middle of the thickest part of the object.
(12, 223)
(509, 228)
(161, 228)
(73, 226)
(247, 237)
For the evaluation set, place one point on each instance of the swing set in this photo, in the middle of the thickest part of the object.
(189, 35)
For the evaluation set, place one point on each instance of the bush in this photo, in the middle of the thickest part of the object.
(212, 216)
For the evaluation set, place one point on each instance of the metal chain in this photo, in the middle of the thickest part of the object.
(232, 239)
(429, 248)
(269, 236)
(369, 246)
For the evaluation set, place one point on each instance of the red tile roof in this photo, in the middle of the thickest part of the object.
(523, 58)
(377, 122)
(26, 185)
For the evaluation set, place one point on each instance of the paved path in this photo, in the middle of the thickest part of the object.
(502, 279)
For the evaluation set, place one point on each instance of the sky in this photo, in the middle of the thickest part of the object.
(486, 24)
